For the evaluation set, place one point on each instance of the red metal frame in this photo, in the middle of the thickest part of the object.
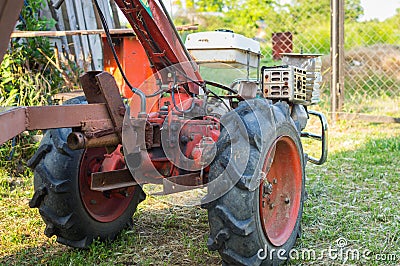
(159, 39)
(16, 120)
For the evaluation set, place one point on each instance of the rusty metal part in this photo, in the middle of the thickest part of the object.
(113, 100)
(103, 181)
(181, 183)
(12, 122)
(193, 179)
(44, 117)
(9, 11)
(17, 120)
(94, 128)
(101, 87)
(77, 140)
(90, 87)
(149, 135)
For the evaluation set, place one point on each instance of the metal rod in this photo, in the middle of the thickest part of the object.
(341, 60)
(31, 34)
(337, 57)
(334, 55)
(16, 120)
(77, 141)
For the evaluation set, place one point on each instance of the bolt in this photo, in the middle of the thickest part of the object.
(267, 189)
(174, 127)
(275, 181)
(184, 139)
(271, 206)
(121, 110)
(93, 202)
(287, 200)
(124, 193)
(263, 204)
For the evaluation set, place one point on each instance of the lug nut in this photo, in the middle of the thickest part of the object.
(267, 189)
(287, 200)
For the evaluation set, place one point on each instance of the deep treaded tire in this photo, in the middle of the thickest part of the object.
(58, 197)
(263, 209)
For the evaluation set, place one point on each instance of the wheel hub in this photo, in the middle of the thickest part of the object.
(280, 192)
(108, 205)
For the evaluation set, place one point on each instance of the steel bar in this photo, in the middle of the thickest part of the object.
(12, 123)
(59, 116)
(16, 120)
(103, 181)
(181, 183)
(9, 11)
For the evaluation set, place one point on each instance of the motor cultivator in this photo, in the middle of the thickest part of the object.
(238, 136)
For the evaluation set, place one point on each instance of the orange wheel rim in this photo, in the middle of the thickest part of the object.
(280, 191)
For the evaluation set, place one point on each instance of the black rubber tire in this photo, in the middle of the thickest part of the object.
(57, 196)
(234, 219)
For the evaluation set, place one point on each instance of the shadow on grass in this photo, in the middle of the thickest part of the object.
(354, 196)
(162, 235)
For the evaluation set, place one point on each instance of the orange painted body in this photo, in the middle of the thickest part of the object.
(148, 58)
(133, 59)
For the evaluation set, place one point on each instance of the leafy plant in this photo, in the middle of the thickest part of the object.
(28, 77)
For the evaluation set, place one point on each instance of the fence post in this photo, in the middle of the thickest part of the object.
(337, 57)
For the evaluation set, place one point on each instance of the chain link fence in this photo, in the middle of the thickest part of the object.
(302, 26)
(371, 65)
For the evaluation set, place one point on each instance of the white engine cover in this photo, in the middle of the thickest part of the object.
(213, 47)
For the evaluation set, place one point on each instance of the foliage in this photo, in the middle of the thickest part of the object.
(245, 16)
(371, 32)
(27, 77)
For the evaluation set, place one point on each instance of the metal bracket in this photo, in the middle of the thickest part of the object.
(103, 181)
(323, 138)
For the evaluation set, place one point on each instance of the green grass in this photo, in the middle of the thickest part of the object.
(355, 196)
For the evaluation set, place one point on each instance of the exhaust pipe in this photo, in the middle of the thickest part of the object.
(77, 141)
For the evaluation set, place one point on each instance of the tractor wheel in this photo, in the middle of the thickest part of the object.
(258, 224)
(71, 211)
